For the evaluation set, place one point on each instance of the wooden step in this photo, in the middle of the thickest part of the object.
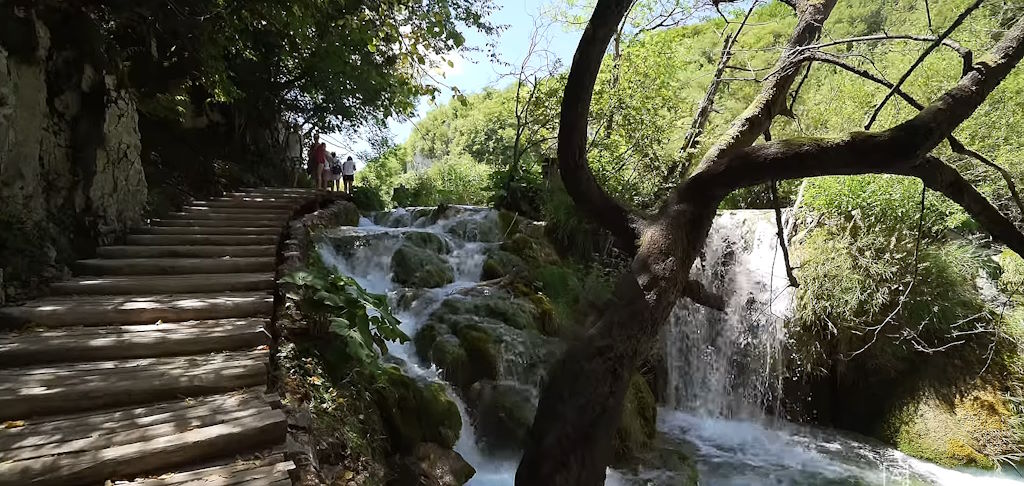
(268, 219)
(271, 470)
(193, 251)
(239, 210)
(207, 230)
(135, 309)
(119, 426)
(202, 240)
(217, 223)
(283, 196)
(77, 387)
(138, 341)
(164, 284)
(302, 191)
(95, 466)
(174, 266)
(248, 202)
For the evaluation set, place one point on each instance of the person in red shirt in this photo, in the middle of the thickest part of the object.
(320, 159)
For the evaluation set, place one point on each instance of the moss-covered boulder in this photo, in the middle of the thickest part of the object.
(428, 241)
(637, 430)
(501, 263)
(498, 337)
(413, 266)
(415, 411)
(483, 229)
(431, 465)
(533, 250)
(502, 414)
(341, 213)
(969, 434)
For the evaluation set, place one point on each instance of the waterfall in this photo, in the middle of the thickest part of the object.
(723, 364)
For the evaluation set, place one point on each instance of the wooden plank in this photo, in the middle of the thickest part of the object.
(137, 309)
(201, 240)
(128, 389)
(96, 466)
(164, 284)
(187, 251)
(175, 341)
(238, 211)
(212, 473)
(76, 426)
(265, 218)
(123, 366)
(215, 222)
(209, 230)
(174, 266)
(14, 337)
(136, 433)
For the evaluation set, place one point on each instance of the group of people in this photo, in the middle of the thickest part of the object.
(327, 171)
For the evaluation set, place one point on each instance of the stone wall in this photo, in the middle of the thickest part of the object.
(70, 170)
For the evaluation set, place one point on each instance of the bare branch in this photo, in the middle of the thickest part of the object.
(782, 234)
(954, 144)
(965, 54)
(707, 104)
(931, 47)
(700, 294)
(746, 129)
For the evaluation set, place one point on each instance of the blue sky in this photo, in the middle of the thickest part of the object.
(474, 71)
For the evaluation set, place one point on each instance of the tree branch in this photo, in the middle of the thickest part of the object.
(931, 47)
(700, 294)
(745, 130)
(773, 187)
(955, 145)
(965, 54)
(577, 175)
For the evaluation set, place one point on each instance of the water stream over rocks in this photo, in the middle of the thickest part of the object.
(721, 367)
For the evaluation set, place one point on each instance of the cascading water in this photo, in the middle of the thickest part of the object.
(721, 366)
(723, 372)
(470, 232)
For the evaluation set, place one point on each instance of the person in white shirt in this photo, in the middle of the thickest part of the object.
(348, 173)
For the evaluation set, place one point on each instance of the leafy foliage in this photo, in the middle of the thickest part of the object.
(339, 305)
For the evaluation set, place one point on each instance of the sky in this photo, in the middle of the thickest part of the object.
(474, 71)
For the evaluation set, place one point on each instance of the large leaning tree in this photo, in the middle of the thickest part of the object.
(580, 406)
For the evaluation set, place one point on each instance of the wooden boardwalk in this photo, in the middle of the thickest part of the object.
(150, 367)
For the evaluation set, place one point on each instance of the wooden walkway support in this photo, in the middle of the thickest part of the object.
(150, 367)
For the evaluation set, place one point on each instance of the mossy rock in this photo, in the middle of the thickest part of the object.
(484, 230)
(416, 412)
(501, 263)
(500, 306)
(481, 351)
(503, 413)
(341, 213)
(638, 428)
(977, 428)
(413, 266)
(453, 361)
(430, 465)
(428, 241)
(532, 250)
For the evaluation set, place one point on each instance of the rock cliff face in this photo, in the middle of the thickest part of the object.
(70, 153)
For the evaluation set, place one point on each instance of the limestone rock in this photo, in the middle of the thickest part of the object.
(416, 411)
(413, 266)
(503, 413)
(432, 465)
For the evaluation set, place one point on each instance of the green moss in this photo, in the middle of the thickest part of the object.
(532, 250)
(637, 430)
(502, 263)
(481, 350)
(971, 433)
(416, 412)
(415, 267)
(500, 306)
(453, 361)
(503, 414)
(427, 241)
